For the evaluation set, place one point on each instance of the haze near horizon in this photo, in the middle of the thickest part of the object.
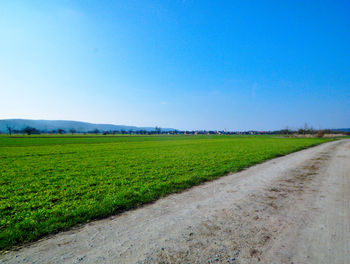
(184, 64)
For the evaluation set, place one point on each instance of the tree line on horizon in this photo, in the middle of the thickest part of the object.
(306, 130)
(28, 130)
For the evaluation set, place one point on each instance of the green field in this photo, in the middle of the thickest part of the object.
(48, 184)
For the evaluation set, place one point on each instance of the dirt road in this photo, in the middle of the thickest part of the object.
(294, 209)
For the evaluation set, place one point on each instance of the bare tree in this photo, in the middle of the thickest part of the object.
(308, 129)
(321, 133)
(73, 130)
(286, 131)
(158, 130)
(61, 131)
(30, 130)
(9, 129)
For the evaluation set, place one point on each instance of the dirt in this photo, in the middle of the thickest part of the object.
(293, 209)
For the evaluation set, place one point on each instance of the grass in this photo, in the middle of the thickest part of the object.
(48, 184)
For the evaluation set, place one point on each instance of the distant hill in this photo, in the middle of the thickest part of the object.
(341, 130)
(49, 125)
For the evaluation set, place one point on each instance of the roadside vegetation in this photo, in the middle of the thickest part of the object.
(51, 183)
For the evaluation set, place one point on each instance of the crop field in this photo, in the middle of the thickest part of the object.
(48, 184)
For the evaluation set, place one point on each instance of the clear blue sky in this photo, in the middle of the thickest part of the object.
(186, 64)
